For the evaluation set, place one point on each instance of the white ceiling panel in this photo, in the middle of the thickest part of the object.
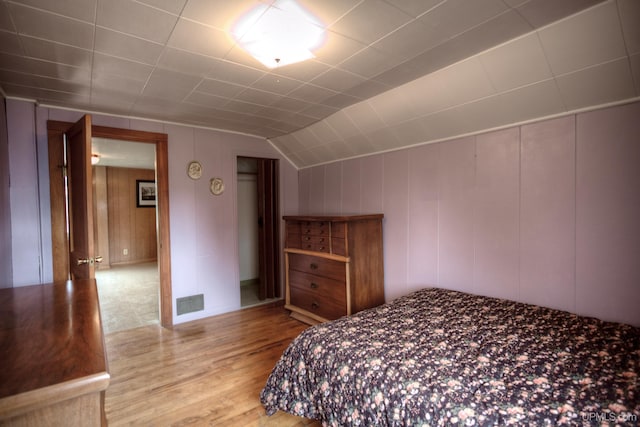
(390, 73)
(128, 47)
(518, 63)
(574, 43)
(600, 84)
(51, 26)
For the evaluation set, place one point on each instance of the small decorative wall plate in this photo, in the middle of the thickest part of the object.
(194, 170)
(216, 185)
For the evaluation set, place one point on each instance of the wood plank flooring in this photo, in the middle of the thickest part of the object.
(204, 373)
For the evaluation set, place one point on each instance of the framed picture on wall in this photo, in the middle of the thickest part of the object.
(145, 193)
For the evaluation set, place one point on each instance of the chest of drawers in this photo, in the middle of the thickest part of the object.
(334, 265)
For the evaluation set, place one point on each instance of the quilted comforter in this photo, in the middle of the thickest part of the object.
(441, 357)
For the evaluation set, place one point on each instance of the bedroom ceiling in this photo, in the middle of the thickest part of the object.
(391, 73)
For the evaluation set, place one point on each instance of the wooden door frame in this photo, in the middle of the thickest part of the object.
(55, 131)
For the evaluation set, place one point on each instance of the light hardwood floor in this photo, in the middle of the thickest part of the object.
(204, 373)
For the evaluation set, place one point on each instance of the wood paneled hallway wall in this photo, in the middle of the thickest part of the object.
(124, 233)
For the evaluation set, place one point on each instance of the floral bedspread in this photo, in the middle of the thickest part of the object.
(441, 357)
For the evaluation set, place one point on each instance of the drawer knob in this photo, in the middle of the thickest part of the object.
(313, 285)
(315, 305)
(313, 266)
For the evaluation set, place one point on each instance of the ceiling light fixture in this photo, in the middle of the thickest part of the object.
(279, 34)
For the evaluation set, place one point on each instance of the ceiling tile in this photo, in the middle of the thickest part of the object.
(414, 8)
(454, 17)
(392, 106)
(328, 11)
(44, 68)
(84, 10)
(137, 19)
(342, 125)
(303, 71)
(10, 43)
(364, 117)
(50, 26)
(291, 104)
(5, 19)
(208, 100)
(198, 38)
(221, 14)
(573, 44)
(526, 103)
(324, 132)
(407, 42)
(382, 139)
(367, 89)
(635, 69)
(166, 84)
(312, 93)
(517, 63)
(319, 111)
(127, 47)
(337, 48)
(106, 64)
(370, 21)
(171, 6)
(276, 84)
(600, 84)
(186, 62)
(338, 80)
(117, 84)
(56, 52)
(340, 100)
(220, 88)
(235, 73)
(256, 96)
(629, 11)
(368, 62)
(542, 12)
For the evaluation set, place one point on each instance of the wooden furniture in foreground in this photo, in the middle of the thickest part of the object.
(52, 355)
(334, 265)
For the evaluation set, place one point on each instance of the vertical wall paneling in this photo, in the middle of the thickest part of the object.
(371, 190)
(351, 184)
(456, 166)
(422, 240)
(131, 229)
(333, 186)
(496, 227)
(608, 213)
(6, 270)
(317, 189)
(396, 198)
(101, 216)
(23, 170)
(547, 215)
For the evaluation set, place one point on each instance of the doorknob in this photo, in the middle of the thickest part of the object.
(90, 261)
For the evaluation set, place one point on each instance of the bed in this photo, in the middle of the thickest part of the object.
(442, 357)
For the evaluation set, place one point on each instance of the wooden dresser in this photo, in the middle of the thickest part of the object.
(53, 363)
(334, 265)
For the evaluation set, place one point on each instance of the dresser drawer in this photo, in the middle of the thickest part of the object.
(319, 285)
(317, 303)
(316, 243)
(315, 228)
(318, 266)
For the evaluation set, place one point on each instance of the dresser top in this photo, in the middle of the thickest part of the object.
(332, 217)
(50, 335)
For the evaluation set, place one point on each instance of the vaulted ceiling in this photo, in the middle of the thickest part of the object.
(391, 73)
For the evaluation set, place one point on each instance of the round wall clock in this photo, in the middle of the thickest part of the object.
(194, 170)
(216, 185)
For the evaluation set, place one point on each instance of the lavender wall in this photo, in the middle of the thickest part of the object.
(5, 203)
(545, 213)
(204, 246)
